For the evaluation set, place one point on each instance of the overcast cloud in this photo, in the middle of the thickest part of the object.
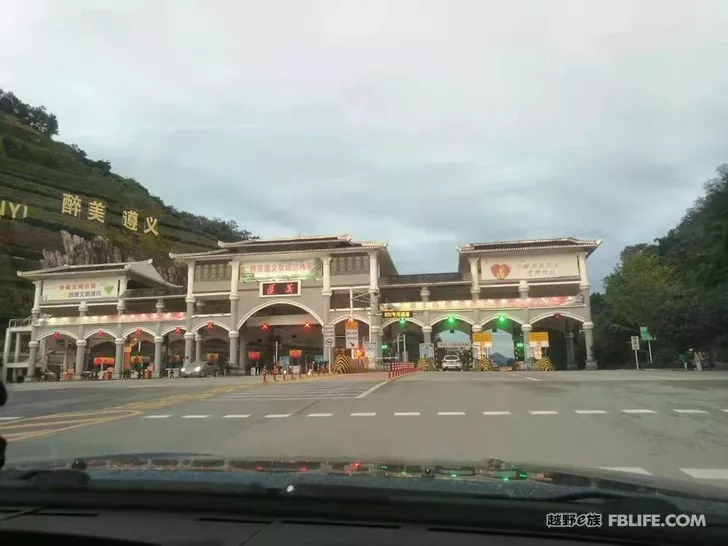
(425, 124)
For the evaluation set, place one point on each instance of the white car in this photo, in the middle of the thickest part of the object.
(452, 362)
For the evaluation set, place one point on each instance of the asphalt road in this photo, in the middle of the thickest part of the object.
(671, 423)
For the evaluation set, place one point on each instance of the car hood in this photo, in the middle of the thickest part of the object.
(490, 475)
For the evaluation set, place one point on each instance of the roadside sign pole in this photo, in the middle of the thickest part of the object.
(636, 360)
(649, 349)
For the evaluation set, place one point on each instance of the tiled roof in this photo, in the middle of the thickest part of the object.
(530, 244)
(142, 268)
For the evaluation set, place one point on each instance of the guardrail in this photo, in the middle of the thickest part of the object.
(397, 369)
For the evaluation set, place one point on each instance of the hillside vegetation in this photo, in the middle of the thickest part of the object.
(36, 172)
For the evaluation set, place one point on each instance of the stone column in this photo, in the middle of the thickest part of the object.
(18, 340)
(526, 329)
(569, 337)
(198, 347)
(326, 293)
(427, 330)
(119, 356)
(234, 335)
(591, 363)
(35, 314)
(475, 288)
(80, 351)
(190, 311)
(242, 355)
(427, 333)
(6, 347)
(158, 341)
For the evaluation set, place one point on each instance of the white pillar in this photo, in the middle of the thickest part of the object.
(6, 347)
(591, 363)
(234, 335)
(190, 278)
(158, 340)
(583, 275)
(326, 288)
(373, 271)
(526, 329)
(198, 347)
(474, 276)
(80, 351)
(36, 297)
(119, 357)
(16, 356)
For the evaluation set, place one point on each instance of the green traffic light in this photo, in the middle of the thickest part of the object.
(501, 318)
(385, 346)
(402, 321)
(451, 320)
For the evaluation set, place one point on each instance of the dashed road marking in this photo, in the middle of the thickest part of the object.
(451, 413)
(156, 417)
(533, 378)
(195, 416)
(9, 418)
(320, 415)
(360, 414)
(590, 412)
(543, 412)
(277, 415)
(689, 411)
(496, 413)
(635, 411)
(406, 413)
(243, 416)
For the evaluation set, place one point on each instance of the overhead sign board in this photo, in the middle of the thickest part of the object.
(454, 345)
(482, 337)
(82, 289)
(645, 334)
(282, 270)
(427, 350)
(538, 339)
(396, 314)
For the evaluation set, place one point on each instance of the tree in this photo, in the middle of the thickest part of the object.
(642, 292)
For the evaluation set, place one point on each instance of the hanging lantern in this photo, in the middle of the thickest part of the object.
(210, 325)
(56, 335)
(178, 330)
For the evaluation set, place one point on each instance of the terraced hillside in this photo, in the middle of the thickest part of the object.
(48, 187)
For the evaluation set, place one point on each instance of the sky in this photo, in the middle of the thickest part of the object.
(424, 124)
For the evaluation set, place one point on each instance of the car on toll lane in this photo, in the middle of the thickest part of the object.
(452, 362)
(199, 369)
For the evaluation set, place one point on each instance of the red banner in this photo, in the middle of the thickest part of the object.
(253, 355)
(295, 353)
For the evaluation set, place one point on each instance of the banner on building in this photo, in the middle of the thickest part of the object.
(86, 289)
(280, 270)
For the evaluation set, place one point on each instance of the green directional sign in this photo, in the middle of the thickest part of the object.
(645, 334)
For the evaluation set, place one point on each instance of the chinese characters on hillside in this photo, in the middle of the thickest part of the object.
(72, 205)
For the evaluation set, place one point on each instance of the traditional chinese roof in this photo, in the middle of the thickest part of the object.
(504, 247)
(143, 271)
(423, 279)
(294, 245)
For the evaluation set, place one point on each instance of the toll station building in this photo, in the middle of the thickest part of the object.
(255, 302)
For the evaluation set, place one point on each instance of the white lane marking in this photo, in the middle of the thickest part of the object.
(533, 378)
(706, 473)
(235, 416)
(628, 469)
(451, 413)
(375, 387)
(195, 416)
(277, 415)
(406, 413)
(363, 414)
(319, 415)
(689, 411)
(590, 411)
(544, 412)
(496, 413)
(9, 418)
(724, 410)
(638, 411)
(156, 416)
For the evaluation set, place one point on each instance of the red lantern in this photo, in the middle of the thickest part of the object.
(56, 335)
(178, 330)
(210, 325)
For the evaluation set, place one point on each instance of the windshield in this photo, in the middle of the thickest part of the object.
(381, 233)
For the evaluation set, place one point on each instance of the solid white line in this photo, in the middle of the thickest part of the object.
(589, 411)
(235, 416)
(363, 414)
(406, 413)
(496, 413)
(638, 411)
(195, 416)
(156, 416)
(532, 378)
(319, 415)
(375, 387)
(707, 473)
(277, 415)
(451, 413)
(9, 418)
(544, 412)
(689, 411)
(629, 469)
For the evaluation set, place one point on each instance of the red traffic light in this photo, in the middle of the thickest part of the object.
(557, 316)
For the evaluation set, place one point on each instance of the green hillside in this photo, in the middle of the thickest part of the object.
(47, 187)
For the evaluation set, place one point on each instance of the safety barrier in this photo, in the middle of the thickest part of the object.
(343, 364)
(485, 364)
(397, 369)
(544, 365)
(425, 364)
